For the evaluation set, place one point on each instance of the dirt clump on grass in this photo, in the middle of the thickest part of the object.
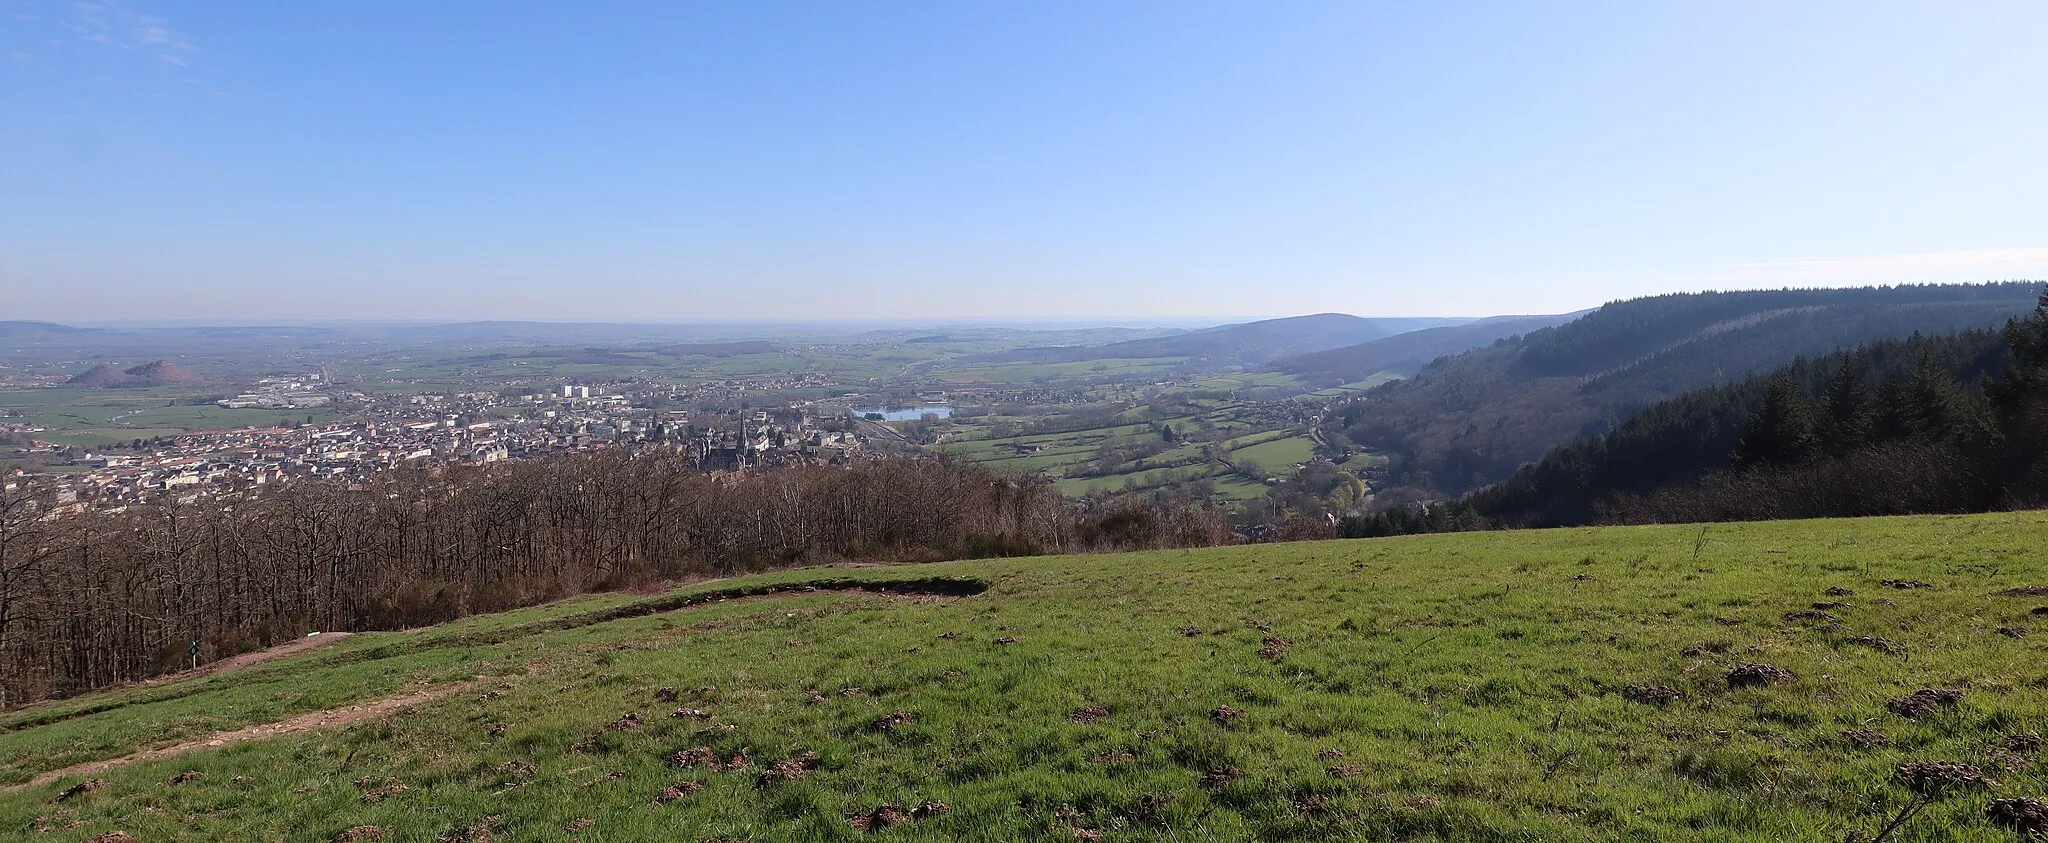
(882, 817)
(1087, 714)
(1838, 591)
(1865, 738)
(361, 832)
(480, 830)
(181, 778)
(1311, 803)
(1330, 754)
(689, 714)
(889, 815)
(2026, 591)
(2013, 631)
(1933, 779)
(1816, 615)
(1275, 647)
(1757, 674)
(1345, 771)
(1923, 702)
(379, 788)
(1223, 714)
(112, 837)
(666, 694)
(1650, 694)
(893, 720)
(2025, 816)
(696, 756)
(1221, 775)
(2023, 743)
(1905, 585)
(578, 824)
(788, 769)
(625, 723)
(677, 791)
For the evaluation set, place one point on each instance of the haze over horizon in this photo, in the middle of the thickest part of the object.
(1000, 161)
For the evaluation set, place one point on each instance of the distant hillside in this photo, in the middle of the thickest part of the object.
(1248, 343)
(1407, 353)
(159, 373)
(29, 331)
(724, 349)
(1472, 419)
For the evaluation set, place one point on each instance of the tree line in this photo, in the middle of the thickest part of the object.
(94, 599)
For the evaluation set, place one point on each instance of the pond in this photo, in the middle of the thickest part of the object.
(906, 413)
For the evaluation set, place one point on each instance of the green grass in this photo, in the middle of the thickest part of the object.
(1278, 456)
(1474, 682)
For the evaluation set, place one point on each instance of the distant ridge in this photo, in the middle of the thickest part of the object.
(1405, 354)
(1248, 343)
(31, 331)
(159, 373)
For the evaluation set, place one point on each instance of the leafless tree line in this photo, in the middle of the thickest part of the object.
(89, 600)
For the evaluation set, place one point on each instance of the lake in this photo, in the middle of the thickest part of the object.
(906, 413)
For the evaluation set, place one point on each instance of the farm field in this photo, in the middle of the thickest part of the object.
(1100, 459)
(100, 417)
(1584, 684)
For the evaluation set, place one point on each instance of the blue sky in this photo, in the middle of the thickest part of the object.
(752, 160)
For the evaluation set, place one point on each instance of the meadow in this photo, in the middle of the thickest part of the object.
(1583, 684)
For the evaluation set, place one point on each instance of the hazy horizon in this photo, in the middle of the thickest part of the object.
(1106, 163)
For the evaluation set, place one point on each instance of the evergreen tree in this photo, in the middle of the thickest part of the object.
(1781, 432)
(1846, 416)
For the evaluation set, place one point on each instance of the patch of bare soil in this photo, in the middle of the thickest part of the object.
(1757, 674)
(2024, 816)
(343, 716)
(1650, 694)
(1923, 702)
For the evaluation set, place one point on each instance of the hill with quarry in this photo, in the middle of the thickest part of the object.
(1814, 680)
(159, 373)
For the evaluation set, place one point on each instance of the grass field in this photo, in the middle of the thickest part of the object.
(105, 416)
(1460, 687)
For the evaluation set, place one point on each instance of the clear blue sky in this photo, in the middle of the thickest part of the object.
(685, 161)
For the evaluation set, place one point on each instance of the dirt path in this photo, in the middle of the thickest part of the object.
(305, 722)
(288, 648)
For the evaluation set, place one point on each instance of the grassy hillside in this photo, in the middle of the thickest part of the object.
(1458, 687)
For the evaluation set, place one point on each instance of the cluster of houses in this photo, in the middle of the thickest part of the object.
(434, 431)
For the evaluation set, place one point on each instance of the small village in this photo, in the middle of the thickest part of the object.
(430, 432)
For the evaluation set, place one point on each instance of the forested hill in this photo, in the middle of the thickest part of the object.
(1405, 354)
(1249, 343)
(1954, 423)
(1470, 420)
